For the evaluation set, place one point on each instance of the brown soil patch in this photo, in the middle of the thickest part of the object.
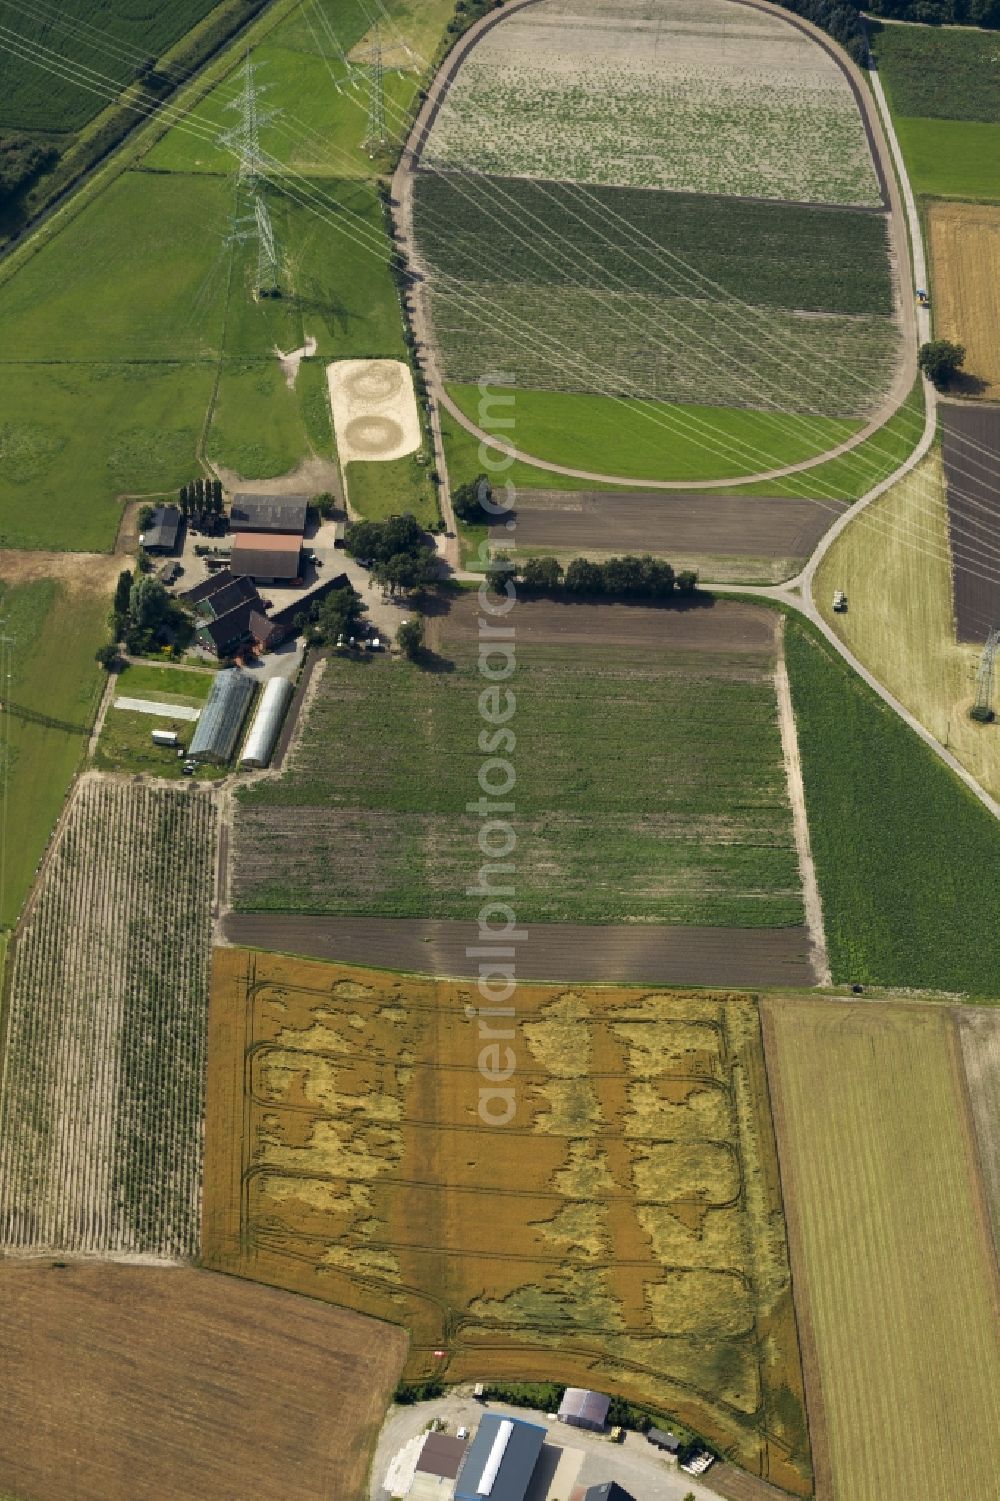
(971, 450)
(712, 626)
(76, 571)
(965, 262)
(180, 1385)
(671, 524)
(641, 953)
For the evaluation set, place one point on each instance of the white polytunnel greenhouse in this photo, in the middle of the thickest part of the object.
(266, 724)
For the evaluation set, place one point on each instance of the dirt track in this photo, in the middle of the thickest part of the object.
(673, 525)
(172, 1384)
(644, 954)
(973, 513)
(704, 626)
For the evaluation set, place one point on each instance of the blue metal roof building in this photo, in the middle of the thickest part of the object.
(500, 1461)
(222, 718)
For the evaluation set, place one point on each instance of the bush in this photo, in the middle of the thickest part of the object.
(417, 1391)
(410, 637)
(468, 500)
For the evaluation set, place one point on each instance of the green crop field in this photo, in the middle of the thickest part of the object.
(893, 874)
(951, 158)
(56, 633)
(669, 297)
(656, 440)
(938, 72)
(103, 36)
(698, 832)
(782, 255)
(891, 1257)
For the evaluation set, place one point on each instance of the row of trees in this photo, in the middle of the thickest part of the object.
(201, 496)
(627, 577)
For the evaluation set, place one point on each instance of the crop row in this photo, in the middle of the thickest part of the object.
(697, 132)
(698, 831)
(785, 255)
(665, 349)
(102, 1097)
(34, 97)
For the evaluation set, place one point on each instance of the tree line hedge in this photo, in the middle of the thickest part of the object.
(627, 577)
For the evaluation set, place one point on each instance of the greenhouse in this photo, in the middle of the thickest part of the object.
(222, 718)
(263, 734)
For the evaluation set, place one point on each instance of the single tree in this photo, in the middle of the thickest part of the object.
(940, 360)
(584, 577)
(184, 500)
(326, 504)
(146, 514)
(107, 655)
(541, 574)
(469, 500)
(500, 570)
(217, 496)
(687, 581)
(410, 637)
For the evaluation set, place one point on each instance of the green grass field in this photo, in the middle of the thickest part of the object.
(378, 490)
(936, 72)
(73, 437)
(145, 680)
(656, 440)
(951, 158)
(54, 674)
(894, 1278)
(853, 474)
(900, 845)
(372, 817)
(323, 117)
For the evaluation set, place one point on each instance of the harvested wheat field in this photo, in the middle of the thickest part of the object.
(605, 1210)
(979, 1033)
(965, 262)
(171, 1384)
(896, 1286)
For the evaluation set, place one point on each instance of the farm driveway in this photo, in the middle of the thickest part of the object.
(637, 952)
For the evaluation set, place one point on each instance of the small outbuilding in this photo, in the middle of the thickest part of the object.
(163, 530)
(269, 513)
(584, 1409)
(662, 1439)
(222, 718)
(268, 558)
(610, 1490)
(265, 728)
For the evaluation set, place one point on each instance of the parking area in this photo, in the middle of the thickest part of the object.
(572, 1459)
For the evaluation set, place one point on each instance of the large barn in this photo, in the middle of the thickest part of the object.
(268, 557)
(269, 513)
(500, 1460)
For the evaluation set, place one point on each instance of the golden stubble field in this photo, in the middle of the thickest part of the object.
(965, 260)
(622, 1230)
(896, 1281)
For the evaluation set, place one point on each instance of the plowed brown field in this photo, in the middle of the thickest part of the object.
(172, 1384)
(620, 1226)
(965, 261)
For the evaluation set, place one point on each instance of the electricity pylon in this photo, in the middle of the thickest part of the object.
(244, 141)
(376, 138)
(982, 709)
